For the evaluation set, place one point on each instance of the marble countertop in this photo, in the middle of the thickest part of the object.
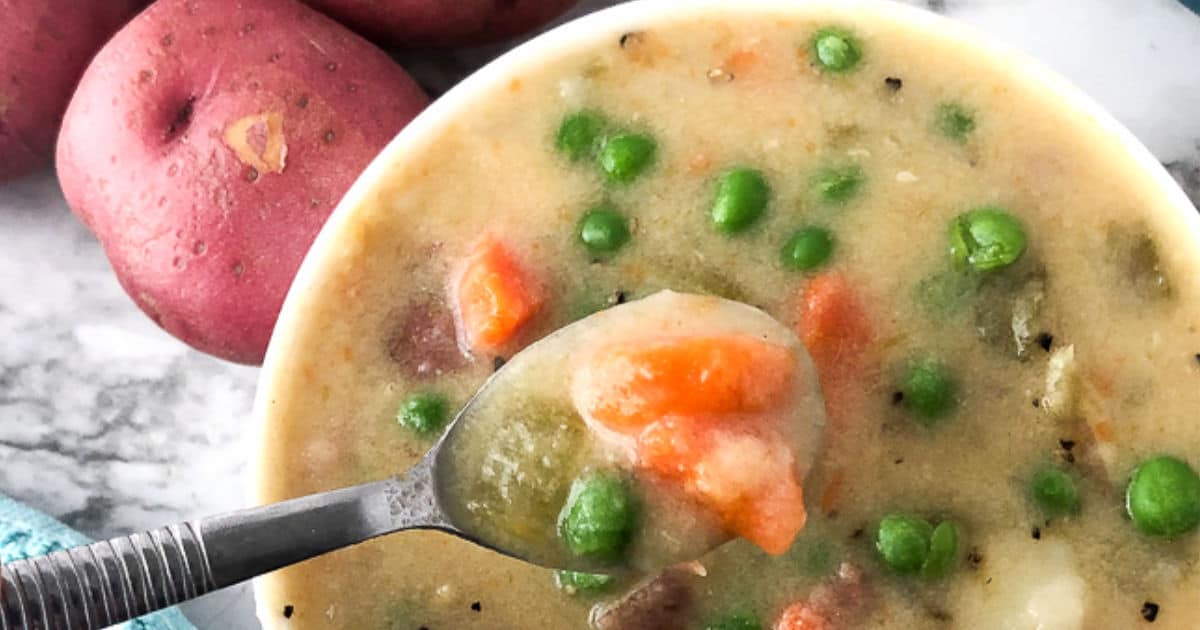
(113, 426)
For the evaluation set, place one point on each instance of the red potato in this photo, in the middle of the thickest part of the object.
(44, 47)
(441, 22)
(207, 144)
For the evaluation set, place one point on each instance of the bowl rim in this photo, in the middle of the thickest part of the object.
(585, 31)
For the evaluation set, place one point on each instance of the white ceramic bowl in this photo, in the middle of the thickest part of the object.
(586, 32)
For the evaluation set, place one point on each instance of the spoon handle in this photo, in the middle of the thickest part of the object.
(107, 582)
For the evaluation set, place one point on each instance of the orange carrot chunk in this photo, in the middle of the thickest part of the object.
(672, 446)
(746, 476)
(772, 515)
(802, 616)
(494, 296)
(837, 331)
(627, 386)
(834, 326)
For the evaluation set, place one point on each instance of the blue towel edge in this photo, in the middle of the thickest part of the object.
(25, 531)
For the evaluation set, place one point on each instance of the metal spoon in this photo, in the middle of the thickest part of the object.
(105, 583)
(111, 581)
(108, 582)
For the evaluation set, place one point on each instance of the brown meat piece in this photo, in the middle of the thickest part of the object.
(424, 343)
(844, 598)
(663, 602)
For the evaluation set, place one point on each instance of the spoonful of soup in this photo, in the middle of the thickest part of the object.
(641, 436)
(636, 438)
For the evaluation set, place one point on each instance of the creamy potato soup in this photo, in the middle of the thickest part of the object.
(1001, 306)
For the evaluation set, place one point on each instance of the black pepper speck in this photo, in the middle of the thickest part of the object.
(1045, 340)
(974, 558)
(288, 610)
(621, 297)
(1150, 611)
(1067, 446)
(894, 83)
(1037, 533)
(476, 606)
(498, 362)
(897, 397)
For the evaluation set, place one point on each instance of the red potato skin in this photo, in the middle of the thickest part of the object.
(44, 47)
(403, 23)
(207, 144)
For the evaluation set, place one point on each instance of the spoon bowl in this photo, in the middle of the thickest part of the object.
(504, 468)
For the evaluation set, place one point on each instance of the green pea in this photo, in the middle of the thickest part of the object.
(1054, 492)
(740, 200)
(955, 121)
(903, 542)
(836, 185)
(943, 551)
(927, 390)
(735, 621)
(807, 249)
(1163, 497)
(985, 239)
(625, 156)
(575, 582)
(836, 50)
(603, 230)
(580, 135)
(424, 413)
(598, 519)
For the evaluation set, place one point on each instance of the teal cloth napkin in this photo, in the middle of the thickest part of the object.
(25, 532)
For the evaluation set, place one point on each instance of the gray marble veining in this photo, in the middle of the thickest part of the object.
(111, 425)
